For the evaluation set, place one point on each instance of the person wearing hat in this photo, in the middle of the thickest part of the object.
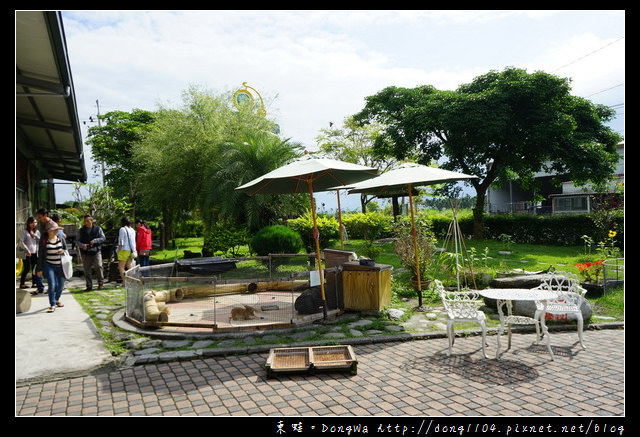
(49, 263)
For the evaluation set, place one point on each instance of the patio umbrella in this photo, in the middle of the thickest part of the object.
(309, 174)
(407, 176)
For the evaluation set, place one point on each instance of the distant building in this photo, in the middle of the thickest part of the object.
(567, 198)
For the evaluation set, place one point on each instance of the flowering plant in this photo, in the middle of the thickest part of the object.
(590, 271)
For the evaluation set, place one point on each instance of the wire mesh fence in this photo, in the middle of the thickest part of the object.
(228, 294)
(613, 274)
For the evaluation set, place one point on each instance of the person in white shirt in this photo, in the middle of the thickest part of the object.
(30, 239)
(126, 246)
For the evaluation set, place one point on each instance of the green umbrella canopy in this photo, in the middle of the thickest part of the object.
(404, 176)
(407, 176)
(306, 175)
(322, 173)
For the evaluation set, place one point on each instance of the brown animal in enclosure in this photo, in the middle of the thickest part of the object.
(246, 313)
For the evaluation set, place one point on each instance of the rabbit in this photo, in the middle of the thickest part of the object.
(246, 313)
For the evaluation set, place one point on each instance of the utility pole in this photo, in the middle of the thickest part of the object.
(100, 125)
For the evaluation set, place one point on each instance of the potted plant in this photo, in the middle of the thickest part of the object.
(405, 250)
(590, 276)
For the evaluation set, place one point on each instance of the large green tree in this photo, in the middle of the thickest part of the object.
(504, 125)
(354, 143)
(112, 143)
(185, 145)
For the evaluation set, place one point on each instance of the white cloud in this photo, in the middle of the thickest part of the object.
(314, 67)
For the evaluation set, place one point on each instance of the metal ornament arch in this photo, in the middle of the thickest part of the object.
(244, 96)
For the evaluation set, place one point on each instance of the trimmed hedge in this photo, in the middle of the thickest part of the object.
(369, 226)
(328, 229)
(555, 230)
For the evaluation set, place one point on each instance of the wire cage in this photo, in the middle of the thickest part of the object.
(612, 274)
(228, 294)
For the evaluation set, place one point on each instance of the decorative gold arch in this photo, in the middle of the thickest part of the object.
(244, 96)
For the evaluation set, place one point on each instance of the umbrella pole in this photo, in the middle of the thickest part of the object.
(415, 247)
(340, 221)
(316, 237)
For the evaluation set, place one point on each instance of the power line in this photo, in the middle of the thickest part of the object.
(589, 54)
(610, 88)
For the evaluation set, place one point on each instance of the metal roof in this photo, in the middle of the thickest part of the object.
(47, 127)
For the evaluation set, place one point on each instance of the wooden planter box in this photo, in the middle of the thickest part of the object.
(311, 359)
(366, 287)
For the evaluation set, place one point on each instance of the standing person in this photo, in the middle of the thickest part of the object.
(30, 239)
(126, 246)
(42, 215)
(50, 263)
(90, 239)
(143, 242)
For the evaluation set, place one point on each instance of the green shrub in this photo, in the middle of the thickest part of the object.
(554, 230)
(405, 249)
(276, 239)
(367, 226)
(225, 239)
(188, 228)
(328, 229)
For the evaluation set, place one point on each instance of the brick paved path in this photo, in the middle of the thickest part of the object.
(412, 378)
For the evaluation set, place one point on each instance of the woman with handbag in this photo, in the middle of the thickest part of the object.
(143, 242)
(126, 246)
(49, 263)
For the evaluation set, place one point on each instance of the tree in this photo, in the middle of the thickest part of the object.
(504, 125)
(186, 145)
(100, 202)
(355, 143)
(112, 145)
(177, 152)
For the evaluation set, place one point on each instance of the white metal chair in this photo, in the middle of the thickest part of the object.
(569, 299)
(462, 306)
(509, 319)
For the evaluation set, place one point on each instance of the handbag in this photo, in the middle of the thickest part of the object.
(21, 252)
(67, 264)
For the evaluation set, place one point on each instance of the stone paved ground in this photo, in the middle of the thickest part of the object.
(394, 378)
(409, 378)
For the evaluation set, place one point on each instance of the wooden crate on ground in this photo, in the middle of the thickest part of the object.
(311, 359)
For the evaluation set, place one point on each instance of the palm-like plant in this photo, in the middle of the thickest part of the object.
(240, 162)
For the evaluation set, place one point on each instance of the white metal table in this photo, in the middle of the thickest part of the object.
(505, 298)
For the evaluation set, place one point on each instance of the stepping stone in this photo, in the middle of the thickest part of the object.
(173, 344)
(201, 344)
(334, 335)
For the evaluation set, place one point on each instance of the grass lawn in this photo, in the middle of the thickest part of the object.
(176, 249)
(529, 257)
(486, 254)
(607, 308)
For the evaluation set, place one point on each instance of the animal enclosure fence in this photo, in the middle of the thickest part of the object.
(222, 294)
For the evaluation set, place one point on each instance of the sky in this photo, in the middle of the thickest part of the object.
(315, 67)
